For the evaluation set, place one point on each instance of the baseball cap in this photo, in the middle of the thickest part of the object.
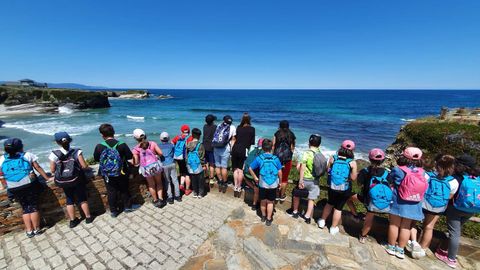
(467, 160)
(412, 153)
(164, 137)
(376, 154)
(185, 129)
(138, 133)
(348, 144)
(62, 136)
(260, 142)
(13, 143)
(227, 119)
(210, 118)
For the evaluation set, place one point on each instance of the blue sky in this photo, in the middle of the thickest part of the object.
(243, 44)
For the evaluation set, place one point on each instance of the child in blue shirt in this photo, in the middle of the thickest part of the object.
(268, 180)
(169, 168)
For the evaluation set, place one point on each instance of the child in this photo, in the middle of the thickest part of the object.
(313, 165)
(67, 164)
(441, 188)
(180, 142)
(145, 155)
(270, 175)
(252, 155)
(208, 132)
(342, 169)
(114, 156)
(17, 171)
(195, 163)
(222, 142)
(284, 146)
(169, 168)
(410, 183)
(464, 206)
(376, 191)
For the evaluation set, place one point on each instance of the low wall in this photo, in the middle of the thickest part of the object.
(52, 203)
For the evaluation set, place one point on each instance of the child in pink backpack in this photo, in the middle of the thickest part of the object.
(145, 156)
(410, 183)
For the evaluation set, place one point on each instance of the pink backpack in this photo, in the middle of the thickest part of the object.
(414, 185)
(148, 156)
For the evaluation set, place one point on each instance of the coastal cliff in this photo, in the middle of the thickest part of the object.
(79, 99)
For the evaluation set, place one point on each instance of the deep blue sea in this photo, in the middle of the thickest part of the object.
(371, 118)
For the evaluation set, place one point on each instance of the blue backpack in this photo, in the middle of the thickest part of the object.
(16, 171)
(221, 136)
(468, 198)
(339, 174)
(110, 161)
(180, 147)
(380, 194)
(438, 193)
(194, 164)
(268, 169)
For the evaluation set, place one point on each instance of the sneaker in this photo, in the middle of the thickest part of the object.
(441, 252)
(30, 234)
(291, 213)
(362, 239)
(390, 249)
(307, 220)
(334, 230)
(195, 195)
(399, 252)
(254, 207)
(413, 246)
(321, 223)
(162, 203)
(74, 223)
(182, 188)
(114, 214)
(212, 181)
(200, 196)
(178, 199)
(155, 203)
(89, 219)
(263, 219)
(38, 231)
(268, 222)
(188, 192)
(225, 186)
(132, 208)
(419, 254)
(446, 260)
(283, 198)
(170, 200)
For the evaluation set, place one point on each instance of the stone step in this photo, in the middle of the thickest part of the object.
(261, 256)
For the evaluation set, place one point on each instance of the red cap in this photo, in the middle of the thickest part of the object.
(185, 129)
(348, 144)
(376, 154)
(260, 142)
(412, 153)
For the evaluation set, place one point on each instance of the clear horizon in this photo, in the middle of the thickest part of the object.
(312, 45)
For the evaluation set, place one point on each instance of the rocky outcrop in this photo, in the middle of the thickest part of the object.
(129, 94)
(78, 99)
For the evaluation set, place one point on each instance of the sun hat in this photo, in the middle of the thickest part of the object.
(227, 119)
(138, 133)
(348, 144)
(185, 129)
(13, 143)
(260, 142)
(467, 160)
(412, 153)
(164, 137)
(62, 136)
(376, 154)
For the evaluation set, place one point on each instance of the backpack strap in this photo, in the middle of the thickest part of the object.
(197, 147)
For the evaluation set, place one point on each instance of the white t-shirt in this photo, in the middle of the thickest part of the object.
(54, 158)
(27, 156)
(453, 186)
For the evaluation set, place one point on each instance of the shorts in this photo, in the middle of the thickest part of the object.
(238, 161)
(286, 171)
(338, 199)
(28, 199)
(221, 156)
(250, 182)
(209, 158)
(182, 167)
(313, 190)
(78, 192)
(267, 194)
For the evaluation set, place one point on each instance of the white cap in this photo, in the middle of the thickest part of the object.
(137, 133)
(164, 136)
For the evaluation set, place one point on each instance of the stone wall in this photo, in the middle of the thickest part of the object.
(52, 203)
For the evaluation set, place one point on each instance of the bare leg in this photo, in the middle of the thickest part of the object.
(255, 195)
(269, 209)
(159, 186)
(187, 182)
(367, 225)
(212, 171)
(393, 229)
(405, 227)
(85, 209)
(413, 233)
(428, 225)
(219, 174)
(35, 217)
(309, 212)
(240, 178)
(151, 188)
(263, 207)
(296, 203)
(224, 174)
(336, 218)
(71, 212)
(326, 211)
(28, 222)
(351, 206)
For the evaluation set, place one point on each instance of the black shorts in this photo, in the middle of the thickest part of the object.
(76, 194)
(28, 198)
(267, 194)
(338, 199)
(238, 161)
(182, 167)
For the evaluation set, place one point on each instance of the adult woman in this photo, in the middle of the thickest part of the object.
(284, 146)
(244, 138)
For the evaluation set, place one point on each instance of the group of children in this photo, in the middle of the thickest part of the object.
(407, 192)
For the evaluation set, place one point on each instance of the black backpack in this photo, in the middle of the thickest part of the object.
(67, 171)
(283, 151)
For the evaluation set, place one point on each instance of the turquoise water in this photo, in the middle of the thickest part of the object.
(371, 118)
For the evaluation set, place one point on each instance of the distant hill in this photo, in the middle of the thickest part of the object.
(74, 86)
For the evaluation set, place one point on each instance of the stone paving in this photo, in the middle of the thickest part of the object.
(149, 238)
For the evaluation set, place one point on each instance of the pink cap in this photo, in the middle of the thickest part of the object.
(376, 154)
(348, 144)
(185, 129)
(412, 153)
(260, 142)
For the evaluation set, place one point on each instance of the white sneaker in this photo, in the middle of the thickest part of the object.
(419, 254)
(321, 223)
(334, 230)
(409, 246)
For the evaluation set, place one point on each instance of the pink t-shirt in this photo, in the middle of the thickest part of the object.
(151, 145)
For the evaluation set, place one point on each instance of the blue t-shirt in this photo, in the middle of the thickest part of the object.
(167, 151)
(258, 162)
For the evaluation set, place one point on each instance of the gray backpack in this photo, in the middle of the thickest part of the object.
(67, 168)
(319, 164)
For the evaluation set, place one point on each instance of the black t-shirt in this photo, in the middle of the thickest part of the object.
(364, 177)
(122, 149)
(208, 132)
(245, 136)
(280, 137)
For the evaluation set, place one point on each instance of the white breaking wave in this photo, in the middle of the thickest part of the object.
(65, 110)
(407, 120)
(136, 118)
(51, 127)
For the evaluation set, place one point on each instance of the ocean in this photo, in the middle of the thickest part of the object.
(371, 118)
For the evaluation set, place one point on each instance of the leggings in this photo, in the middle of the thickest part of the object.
(455, 221)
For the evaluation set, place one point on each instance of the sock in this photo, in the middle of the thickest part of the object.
(307, 217)
(295, 211)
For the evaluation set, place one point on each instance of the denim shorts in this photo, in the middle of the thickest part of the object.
(221, 156)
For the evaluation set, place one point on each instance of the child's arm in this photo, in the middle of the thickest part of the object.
(53, 167)
(353, 172)
(158, 151)
(280, 174)
(82, 161)
(2, 180)
(40, 170)
(302, 174)
(201, 154)
(136, 160)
